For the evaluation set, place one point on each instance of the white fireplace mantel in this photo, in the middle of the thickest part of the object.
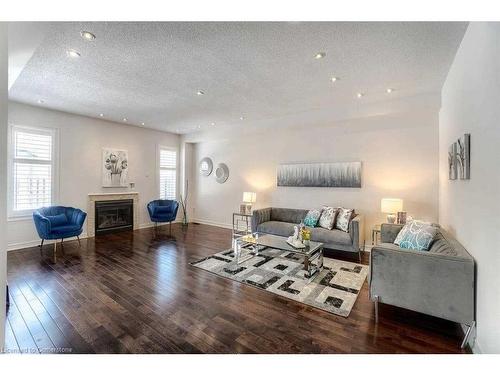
(97, 197)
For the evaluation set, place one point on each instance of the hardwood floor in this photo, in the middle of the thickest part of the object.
(133, 292)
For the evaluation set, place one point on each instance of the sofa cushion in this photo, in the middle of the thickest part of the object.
(330, 236)
(277, 228)
(288, 215)
(327, 218)
(312, 218)
(416, 235)
(57, 220)
(344, 218)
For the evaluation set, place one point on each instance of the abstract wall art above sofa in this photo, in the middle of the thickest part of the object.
(347, 174)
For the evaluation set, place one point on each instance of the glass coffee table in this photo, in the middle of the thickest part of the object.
(247, 247)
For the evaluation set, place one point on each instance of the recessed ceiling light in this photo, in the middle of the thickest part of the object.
(242, 118)
(87, 35)
(360, 95)
(320, 55)
(142, 123)
(389, 90)
(335, 79)
(101, 114)
(213, 124)
(200, 92)
(41, 101)
(125, 119)
(199, 126)
(72, 53)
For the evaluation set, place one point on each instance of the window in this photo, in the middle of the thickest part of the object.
(31, 169)
(168, 173)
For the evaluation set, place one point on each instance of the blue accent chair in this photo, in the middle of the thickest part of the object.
(58, 222)
(163, 211)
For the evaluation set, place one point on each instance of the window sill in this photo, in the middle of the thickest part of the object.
(26, 217)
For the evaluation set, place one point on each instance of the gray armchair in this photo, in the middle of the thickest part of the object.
(439, 282)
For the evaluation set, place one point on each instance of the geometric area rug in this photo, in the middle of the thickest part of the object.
(335, 289)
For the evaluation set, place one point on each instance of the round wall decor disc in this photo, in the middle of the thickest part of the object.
(221, 173)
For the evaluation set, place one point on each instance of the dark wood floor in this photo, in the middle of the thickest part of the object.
(136, 293)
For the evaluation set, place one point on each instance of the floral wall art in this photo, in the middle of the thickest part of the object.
(114, 168)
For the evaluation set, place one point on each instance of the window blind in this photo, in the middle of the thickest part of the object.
(32, 168)
(168, 173)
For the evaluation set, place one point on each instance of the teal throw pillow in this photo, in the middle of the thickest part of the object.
(416, 235)
(312, 218)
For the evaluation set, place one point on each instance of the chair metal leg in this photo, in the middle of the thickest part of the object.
(376, 300)
(41, 245)
(55, 251)
(467, 334)
(170, 228)
(79, 243)
(359, 255)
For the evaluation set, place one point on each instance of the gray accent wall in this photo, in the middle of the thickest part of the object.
(470, 209)
(399, 154)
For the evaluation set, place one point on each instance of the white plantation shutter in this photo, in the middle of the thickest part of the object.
(168, 173)
(32, 168)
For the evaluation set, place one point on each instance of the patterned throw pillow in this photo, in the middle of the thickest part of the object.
(312, 218)
(416, 235)
(327, 218)
(343, 218)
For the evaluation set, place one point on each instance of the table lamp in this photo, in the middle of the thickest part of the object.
(248, 199)
(391, 206)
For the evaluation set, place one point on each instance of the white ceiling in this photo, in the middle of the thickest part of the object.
(151, 72)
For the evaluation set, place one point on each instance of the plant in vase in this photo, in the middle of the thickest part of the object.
(306, 235)
(184, 206)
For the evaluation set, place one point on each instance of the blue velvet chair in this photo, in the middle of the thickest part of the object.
(58, 222)
(163, 211)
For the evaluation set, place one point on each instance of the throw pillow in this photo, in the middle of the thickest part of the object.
(327, 218)
(312, 218)
(58, 220)
(416, 235)
(344, 218)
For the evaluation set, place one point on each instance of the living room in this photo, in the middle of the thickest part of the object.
(249, 187)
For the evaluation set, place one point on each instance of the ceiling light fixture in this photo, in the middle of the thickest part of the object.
(41, 101)
(87, 35)
(101, 114)
(320, 55)
(335, 79)
(125, 119)
(200, 93)
(242, 118)
(142, 123)
(213, 124)
(72, 53)
(360, 95)
(389, 90)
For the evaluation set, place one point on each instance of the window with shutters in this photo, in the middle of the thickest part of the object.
(31, 169)
(168, 173)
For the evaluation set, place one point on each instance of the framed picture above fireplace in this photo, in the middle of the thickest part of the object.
(114, 168)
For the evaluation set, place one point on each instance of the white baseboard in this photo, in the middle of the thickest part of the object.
(213, 223)
(33, 243)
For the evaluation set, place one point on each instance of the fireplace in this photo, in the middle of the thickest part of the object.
(114, 216)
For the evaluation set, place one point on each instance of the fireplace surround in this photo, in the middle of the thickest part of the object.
(93, 198)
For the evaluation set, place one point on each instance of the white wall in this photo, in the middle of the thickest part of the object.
(81, 140)
(3, 173)
(470, 209)
(399, 155)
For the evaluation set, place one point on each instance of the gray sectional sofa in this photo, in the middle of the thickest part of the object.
(439, 282)
(280, 222)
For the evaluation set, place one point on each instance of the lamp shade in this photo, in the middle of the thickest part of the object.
(249, 197)
(391, 205)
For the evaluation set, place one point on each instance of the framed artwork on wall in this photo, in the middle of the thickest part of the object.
(463, 157)
(114, 168)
